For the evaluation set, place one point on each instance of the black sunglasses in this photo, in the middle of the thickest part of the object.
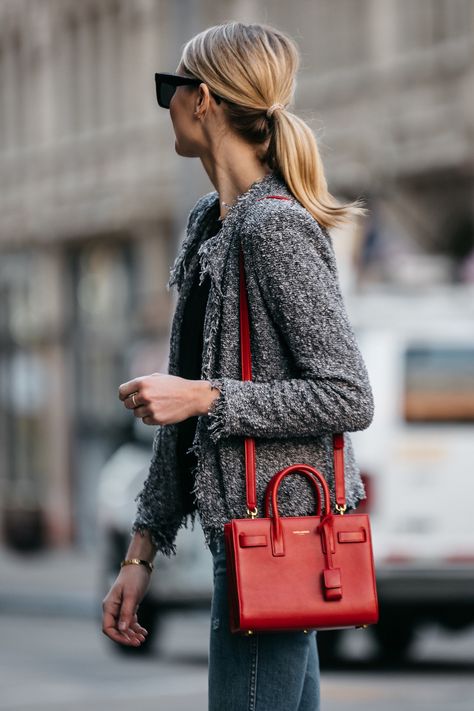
(166, 85)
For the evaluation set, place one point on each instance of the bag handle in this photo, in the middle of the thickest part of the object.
(315, 477)
(246, 368)
(307, 470)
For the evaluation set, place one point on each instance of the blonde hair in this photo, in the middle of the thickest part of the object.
(252, 67)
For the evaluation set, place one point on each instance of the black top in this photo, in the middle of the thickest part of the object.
(190, 363)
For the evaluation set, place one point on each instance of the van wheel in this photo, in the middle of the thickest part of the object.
(394, 640)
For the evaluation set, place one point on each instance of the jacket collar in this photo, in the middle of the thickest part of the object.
(213, 252)
(207, 206)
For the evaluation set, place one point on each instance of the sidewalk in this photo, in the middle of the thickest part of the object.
(64, 582)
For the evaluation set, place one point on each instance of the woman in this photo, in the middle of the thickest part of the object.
(229, 106)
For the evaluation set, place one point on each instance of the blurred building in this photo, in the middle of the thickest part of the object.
(93, 200)
(90, 214)
(392, 82)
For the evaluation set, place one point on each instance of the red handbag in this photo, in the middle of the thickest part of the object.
(297, 572)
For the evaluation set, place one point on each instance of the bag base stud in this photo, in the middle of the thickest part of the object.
(361, 627)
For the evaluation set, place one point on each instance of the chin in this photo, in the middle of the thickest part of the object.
(177, 148)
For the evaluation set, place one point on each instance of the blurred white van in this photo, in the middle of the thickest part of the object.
(417, 456)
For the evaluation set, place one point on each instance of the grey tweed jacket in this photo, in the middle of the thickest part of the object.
(309, 378)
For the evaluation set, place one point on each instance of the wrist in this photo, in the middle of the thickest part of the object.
(138, 561)
(206, 395)
(141, 546)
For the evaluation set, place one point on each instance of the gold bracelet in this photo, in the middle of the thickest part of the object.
(138, 561)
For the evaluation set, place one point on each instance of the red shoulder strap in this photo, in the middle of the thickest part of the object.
(246, 367)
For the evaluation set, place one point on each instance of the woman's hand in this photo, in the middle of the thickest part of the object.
(162, 399)
(120, 605)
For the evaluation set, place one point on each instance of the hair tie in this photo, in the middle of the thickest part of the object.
(273, 108)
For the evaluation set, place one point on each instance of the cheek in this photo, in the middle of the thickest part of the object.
(176, 108)
(172, 105)
(179, 114)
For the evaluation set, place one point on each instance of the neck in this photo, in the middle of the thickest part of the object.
(233, 171)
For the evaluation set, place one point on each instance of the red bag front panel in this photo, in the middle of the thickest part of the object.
(299, 590)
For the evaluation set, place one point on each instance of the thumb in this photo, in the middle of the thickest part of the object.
(127, 612)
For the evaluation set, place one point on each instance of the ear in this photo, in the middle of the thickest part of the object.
(202, 100)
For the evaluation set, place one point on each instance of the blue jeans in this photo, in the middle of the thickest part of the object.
(267, 671)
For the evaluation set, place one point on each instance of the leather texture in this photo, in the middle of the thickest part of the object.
(297, 572)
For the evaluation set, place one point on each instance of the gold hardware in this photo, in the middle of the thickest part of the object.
(305, 631)
(341, 509)
(301, 533)
(252, 512)
(249, 632)
(361, 627)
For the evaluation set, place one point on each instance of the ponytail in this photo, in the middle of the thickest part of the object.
(253, 68)
(293, 151)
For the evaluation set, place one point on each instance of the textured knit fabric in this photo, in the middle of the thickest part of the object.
(309, 377)
(190, 363)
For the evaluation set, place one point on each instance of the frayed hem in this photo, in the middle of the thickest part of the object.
(217, 412)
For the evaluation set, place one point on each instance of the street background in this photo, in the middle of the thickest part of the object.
(54, 656)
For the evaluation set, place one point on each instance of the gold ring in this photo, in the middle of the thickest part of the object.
(133, 400)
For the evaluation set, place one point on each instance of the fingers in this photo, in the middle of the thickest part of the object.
(134, 396)
(127, 613)
(128, 388)
(133, 401)
(122, 625)
(140, 631)
(137, 385)
(140, 408)
(136, 401)
(128, 624)
(134, 636)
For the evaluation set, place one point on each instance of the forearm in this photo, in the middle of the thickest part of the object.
(141, 546)
(290, 408)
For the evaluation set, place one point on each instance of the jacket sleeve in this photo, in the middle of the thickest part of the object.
(292, 261)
